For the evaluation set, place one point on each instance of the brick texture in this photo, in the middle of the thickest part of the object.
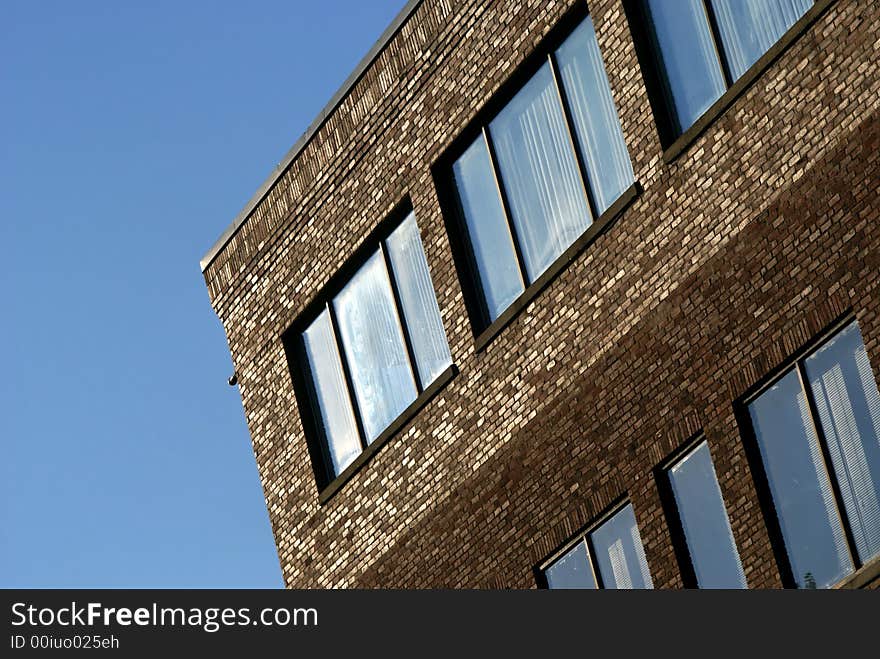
(757, 237)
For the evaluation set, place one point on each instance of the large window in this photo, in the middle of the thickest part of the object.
(538, 172)
(609, 556)
(817, 428)
(700, 518)
(369, 348)
(697, 49)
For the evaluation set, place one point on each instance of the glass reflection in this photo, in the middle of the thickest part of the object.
(572, 570)
(620, 555)
(799, 483)
(419, 303)
(848, 403)
(749, 27)
(687, 58)
(330, 392)
(487, 229)
(374, 347)
(596, 124)
(704, 519)
(539, 173)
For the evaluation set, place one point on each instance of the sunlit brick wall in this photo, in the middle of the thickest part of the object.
(736, 254)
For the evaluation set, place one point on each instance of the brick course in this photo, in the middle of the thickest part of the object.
(758, 236)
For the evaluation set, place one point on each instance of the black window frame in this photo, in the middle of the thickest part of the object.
(671, 510)
(584, 534)
(759, 473)
(327, 482)
(484, 329)
(673, 142)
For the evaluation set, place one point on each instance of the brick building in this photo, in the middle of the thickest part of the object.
(653, 239)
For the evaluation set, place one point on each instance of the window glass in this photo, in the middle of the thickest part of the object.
(552, 158)
(377, 338)
(800, 486)
(487, 229)
(596, 124)
(572, 570)
(703, 516)
(416, 292)
(539, 173)
(331, 394)
(619, 552)
(688, 61)
(374, 347)
(846, 397)
(749, 27)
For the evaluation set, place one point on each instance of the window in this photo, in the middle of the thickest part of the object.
(700, 519)
(817, 428)
(370, 348)
(534, 175)
(695, 50)
(610, 556)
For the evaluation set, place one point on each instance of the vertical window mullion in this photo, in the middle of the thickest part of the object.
(715, 33)
(496, 175)
(349, 384)
(591, 558)
(398, 307)
(569, 129)
(828, 464)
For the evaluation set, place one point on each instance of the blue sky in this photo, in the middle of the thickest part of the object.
(132, 134)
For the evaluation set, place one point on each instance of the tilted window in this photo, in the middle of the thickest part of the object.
(817, 428)
(609, 556)
(700, 516)
(369, 349)
(696, 49)
(537, 172)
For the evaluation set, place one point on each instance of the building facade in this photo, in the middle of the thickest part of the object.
(559, 293)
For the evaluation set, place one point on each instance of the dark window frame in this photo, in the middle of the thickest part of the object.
(582, 535)
(327, 482)
(485, 329)
(675, 143)
(756, 464)
(671, 511)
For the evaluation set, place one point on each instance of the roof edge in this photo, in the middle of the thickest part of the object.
(309, 133)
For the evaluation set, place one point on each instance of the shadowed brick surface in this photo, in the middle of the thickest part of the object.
(760, 234)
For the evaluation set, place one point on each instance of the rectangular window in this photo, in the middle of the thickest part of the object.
(594, 117)
(609, 556)
(491, 244)
(538, 172)
(817, 428)
(701, 518)
(697, 49)
(421, 314)
(374, 345)
(329, 392)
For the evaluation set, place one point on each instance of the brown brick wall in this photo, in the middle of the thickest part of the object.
(759, 235)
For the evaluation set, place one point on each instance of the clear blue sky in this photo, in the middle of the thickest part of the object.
(131, 134)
